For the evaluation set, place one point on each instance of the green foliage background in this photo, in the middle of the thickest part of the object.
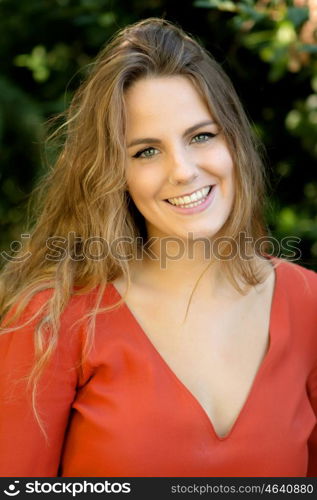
(268, 48)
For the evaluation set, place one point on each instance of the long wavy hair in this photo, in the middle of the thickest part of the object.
(84, 195)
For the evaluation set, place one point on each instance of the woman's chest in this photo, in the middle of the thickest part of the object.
(134, 417)
(215, 353)
(217, 363)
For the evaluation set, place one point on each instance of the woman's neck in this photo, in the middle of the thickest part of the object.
(177, 268)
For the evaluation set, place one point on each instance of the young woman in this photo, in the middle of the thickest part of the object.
(145, 330)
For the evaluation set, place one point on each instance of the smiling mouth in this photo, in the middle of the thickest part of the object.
(192, 200)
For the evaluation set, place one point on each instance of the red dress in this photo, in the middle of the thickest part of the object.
(124, 413)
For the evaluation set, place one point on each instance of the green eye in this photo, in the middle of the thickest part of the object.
(145, 153)
(203, 137)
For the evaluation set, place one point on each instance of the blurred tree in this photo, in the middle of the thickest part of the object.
(267, 47)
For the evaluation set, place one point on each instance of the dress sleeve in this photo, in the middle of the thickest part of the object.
(312, 442)
(24, 449)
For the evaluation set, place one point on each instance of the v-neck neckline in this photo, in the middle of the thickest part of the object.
(191, 397)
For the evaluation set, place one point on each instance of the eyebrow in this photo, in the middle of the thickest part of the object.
(151, 140)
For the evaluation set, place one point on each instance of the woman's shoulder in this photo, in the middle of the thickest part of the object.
(296, 275)
(30, 310)
(298, 285)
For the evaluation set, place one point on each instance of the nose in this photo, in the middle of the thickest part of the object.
(181, 169)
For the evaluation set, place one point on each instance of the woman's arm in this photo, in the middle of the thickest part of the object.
(24, 450)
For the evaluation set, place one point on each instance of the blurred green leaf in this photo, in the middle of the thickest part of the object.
(305, 47)
(297, 15)
(219, 4)
(287, 219)
(36, 62)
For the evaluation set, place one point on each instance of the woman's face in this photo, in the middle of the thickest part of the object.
(176, 150)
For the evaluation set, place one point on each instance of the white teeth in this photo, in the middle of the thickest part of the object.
(189, 200)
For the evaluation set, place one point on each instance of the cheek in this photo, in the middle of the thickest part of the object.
(142, 185)
(223, 167)
(228, 164)
(217, 160)
(223, 162)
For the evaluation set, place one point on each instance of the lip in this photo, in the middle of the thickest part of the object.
(188, 194)
(199, 208)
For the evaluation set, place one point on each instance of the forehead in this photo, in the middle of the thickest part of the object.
(170, 99)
